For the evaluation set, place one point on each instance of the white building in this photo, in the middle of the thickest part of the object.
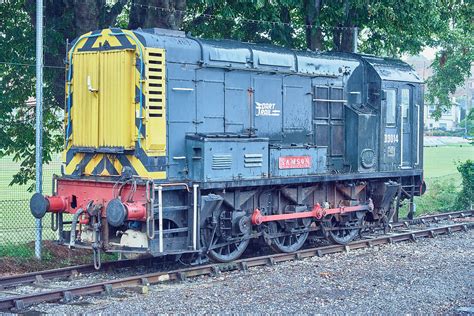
(449, 120)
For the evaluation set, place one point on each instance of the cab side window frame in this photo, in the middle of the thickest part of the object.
(391, 107)
(405, 102)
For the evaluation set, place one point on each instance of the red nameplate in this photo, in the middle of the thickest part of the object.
(294, 162)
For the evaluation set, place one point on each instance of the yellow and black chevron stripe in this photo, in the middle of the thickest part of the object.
(116, 114)
(96, 164)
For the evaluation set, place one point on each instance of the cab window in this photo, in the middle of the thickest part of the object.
(405, 104)
(391, 102)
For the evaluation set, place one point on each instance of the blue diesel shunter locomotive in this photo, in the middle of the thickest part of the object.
(180, 145)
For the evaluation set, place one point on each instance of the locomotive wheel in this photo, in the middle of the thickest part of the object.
(224, 246)
(287, 242)
(342, 232)
(229, 252)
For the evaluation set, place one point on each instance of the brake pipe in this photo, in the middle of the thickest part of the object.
(75, 218)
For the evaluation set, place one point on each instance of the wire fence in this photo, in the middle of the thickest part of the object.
(17, 225)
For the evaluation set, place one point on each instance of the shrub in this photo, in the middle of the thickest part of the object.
(465, 198)
(440, 196)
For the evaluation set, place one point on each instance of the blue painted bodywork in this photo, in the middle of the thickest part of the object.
(235, 99)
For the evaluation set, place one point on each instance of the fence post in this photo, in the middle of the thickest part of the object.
(39, 117)
(355, 35)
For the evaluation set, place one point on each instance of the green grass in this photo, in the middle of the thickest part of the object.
(16, 250)
(442, 179)
(8, 168)
(440, 162)
(18, 258)
(16, 222)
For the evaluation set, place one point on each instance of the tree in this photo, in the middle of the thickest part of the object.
(63, 20)
(17, 82)
(468, 124)
(387, 28)
(167, 14)
(465, 198)
(455, 57)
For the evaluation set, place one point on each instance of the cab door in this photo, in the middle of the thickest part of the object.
(406, 127)
(390, 144)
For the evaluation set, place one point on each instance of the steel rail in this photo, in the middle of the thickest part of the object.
(67, 294)
(65, 272)
(72, 271)
(433, 218)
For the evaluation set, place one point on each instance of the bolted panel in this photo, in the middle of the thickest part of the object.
(215, 158)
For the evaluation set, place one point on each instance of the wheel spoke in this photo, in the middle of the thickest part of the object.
(289, 242)
(342, 233)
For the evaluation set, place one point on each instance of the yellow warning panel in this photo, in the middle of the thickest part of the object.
(155, 100)
(116, 99)
(114, 105)
(85, 101)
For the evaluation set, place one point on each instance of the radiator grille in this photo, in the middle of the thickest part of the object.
(220, 161)
(253, 160)
(155, 84)
(155, 100)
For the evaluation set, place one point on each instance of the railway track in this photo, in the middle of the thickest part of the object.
(66, 272)
(67, 294)
(73, 271)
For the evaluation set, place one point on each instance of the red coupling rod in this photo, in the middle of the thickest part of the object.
(317, 212)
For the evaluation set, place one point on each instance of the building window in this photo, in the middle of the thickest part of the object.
(391, 101)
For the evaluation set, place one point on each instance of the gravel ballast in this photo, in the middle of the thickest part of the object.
(429, 276)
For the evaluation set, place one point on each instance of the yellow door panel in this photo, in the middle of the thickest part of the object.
(106, 112)
(85, 105)
(117, 92)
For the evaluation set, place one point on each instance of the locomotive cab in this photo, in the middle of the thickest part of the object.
(385, 117)
(401, 110)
